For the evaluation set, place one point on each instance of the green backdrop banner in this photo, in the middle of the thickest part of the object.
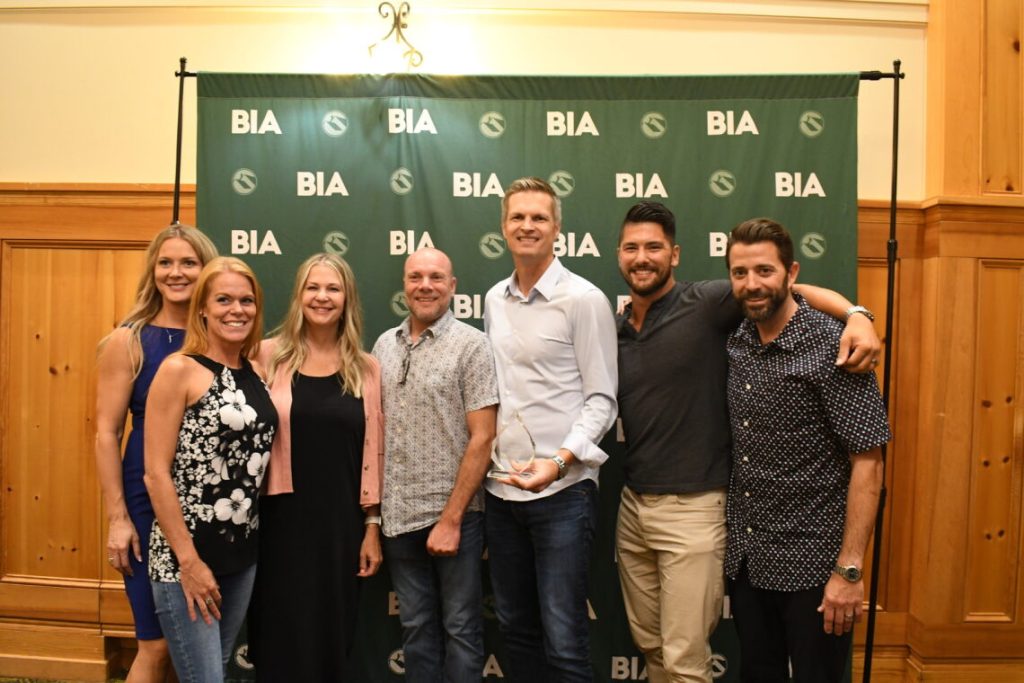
(374, 167)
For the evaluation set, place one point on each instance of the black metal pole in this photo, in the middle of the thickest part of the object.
(182, 74)
(890, 296)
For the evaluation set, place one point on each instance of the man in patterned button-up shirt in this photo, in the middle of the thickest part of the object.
(806, 470)
(440, 400)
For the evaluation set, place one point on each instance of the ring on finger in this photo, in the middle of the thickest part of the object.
(209, 601)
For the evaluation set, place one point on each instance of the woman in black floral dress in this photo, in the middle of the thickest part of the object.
(211, 426)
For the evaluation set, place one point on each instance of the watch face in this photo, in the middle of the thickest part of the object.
(850, 573)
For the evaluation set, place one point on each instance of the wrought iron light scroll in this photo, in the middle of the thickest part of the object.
(412, 56)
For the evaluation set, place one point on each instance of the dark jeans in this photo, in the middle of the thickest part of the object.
(440, 605)
(778, 627)
(539, 556)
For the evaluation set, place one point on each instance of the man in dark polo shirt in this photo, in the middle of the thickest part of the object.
(806, 471)
(672, 402)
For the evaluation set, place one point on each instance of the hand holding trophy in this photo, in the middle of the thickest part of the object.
(514, 450)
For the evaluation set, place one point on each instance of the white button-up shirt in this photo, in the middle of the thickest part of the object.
(555, 355)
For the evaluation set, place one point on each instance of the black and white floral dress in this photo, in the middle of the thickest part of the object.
(222, 452)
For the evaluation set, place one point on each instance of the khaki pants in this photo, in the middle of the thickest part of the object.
(670, 551)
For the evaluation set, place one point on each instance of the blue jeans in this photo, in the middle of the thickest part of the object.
(539, 556)
(440, 604)
(200, 651)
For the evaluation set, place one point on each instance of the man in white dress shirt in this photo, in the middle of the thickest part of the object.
(554, 341)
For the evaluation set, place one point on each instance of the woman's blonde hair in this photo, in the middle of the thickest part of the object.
(291, 348)
(196, 339)
(148, 301)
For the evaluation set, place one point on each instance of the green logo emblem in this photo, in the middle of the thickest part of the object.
(813, 245)
(244, 181)
(401, 181)
(336, 243)
(399, 306)
(812, 124)
(335, 123)
(492, 245)
(492, 124)
(562, 183)
(653, 124)
(722, 183)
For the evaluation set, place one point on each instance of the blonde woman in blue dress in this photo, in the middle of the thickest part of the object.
(128, 359)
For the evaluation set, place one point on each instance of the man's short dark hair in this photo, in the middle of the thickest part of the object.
(762, 230)
(651, 212)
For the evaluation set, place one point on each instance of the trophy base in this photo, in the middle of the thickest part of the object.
(504, 474)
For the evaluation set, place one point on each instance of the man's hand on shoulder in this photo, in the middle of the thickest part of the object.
(859, 347)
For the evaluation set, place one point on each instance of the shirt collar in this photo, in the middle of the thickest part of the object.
(654, 312)
(436, 328)
(545, 286)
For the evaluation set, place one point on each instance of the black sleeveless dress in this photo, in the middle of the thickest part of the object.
(303, 616)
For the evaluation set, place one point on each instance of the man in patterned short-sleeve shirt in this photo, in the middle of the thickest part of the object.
(806, 470)
(440, 400)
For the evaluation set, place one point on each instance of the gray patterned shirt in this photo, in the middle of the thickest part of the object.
(427, 389)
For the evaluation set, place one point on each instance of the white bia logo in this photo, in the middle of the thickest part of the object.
(247, 121)
(467, 306)
(472, 185)
(491, 668)
(249, 242)
(406, 121)
(793, 185)
(717, 242)
(724, 123)
(566, 245)
(565, 123)
(632, 185)
(635, 669)
(404, 242)
(315, 184)
(628, 669)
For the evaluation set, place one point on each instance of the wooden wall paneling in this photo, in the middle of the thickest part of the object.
(55, 652)
(993, 570)
(1001, 139)
(953, 152)
(49, 472)
(948, 299)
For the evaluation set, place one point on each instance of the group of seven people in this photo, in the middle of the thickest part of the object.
(752, 422)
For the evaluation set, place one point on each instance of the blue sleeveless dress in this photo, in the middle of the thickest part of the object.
(157, 344)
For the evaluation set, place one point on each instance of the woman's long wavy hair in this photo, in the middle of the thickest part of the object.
(148, 301)
(196, 338)
(292, 349)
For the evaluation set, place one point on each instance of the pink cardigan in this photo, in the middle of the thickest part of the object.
(279, 471)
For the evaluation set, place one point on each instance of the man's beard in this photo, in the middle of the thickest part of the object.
(770, 307)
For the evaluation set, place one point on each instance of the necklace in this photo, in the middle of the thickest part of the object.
(171, 333)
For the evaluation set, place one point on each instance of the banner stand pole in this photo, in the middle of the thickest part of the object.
(182, 74)
(891, 247)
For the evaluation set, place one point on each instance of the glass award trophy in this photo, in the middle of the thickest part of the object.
(514, 450)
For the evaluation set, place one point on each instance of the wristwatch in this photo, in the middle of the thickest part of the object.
(851, 573)
(860, 309)
(371, 519)
(563, 467)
